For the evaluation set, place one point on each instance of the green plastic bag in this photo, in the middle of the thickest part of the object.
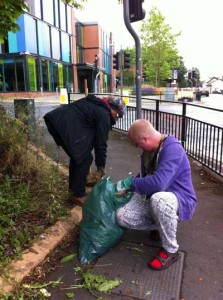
(98, 228)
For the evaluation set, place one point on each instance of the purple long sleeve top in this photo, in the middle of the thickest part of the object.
(172, 174)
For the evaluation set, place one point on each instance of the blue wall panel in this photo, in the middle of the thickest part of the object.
(17, 40)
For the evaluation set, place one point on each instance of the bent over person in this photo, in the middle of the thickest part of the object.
(165, 180)
(79, 128)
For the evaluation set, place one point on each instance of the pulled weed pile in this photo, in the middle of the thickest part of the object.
(32, 192)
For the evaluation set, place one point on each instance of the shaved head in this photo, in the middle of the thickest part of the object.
(140, 128)
(144, 135)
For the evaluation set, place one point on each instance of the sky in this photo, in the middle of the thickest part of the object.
(199, 21)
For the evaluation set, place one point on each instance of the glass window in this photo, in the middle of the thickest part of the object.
(9, 72)
(56, 13)
(37, 9)
(20, 74)
(55, 38)
(32, 74)
(60, 76)
(45, 75)
(39, 81)
(16, 41)
(44, 39)
(54, 76)
(68, 78)
(12, 42)
(79, 34)
(62, 16)
(30, 27)
(65, 44)
(80, 55)
(34, 7)
(20, 41)
(48, 11)
(69, 25)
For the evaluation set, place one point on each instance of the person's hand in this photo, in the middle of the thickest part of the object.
(123, 186)
(100, 170)
(95, 177)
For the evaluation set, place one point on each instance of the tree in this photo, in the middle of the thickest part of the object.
(159, 52)
(10, 10)
(182, 73)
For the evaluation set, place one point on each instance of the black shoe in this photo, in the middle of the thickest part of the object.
(77, 200)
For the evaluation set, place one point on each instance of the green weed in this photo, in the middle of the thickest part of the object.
(32, 192)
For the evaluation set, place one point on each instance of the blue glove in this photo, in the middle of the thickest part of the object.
(123, 186)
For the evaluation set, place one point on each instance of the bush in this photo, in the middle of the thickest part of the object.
(31, 191)
(146, 91)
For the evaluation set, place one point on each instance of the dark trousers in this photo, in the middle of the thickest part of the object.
(78, 176)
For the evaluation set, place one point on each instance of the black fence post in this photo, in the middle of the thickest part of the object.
(157, 114)
(184, 125)
(69, 98)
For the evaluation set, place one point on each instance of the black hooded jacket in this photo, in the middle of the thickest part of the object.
(80, 127)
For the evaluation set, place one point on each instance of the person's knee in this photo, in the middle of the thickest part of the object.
(164, 203)
(157, 204)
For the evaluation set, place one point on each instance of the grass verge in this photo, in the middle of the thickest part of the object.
(32, 192)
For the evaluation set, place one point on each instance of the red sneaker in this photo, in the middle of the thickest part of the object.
(163, 260)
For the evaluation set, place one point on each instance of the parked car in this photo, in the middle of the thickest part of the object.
(204, 93)
(217, 91)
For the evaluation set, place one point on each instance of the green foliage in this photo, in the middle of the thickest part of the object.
(10, 11)
(96, 282)
(31, 191)
(182, 72)
(75, 3)
(128, 78)
(68, 258)
(13, 142)
(129, 75)
(159, 52)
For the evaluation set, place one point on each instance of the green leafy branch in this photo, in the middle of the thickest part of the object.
(95, 282)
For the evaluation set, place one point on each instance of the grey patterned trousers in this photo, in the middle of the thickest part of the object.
(159, 212)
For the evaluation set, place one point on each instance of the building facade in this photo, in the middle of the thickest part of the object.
(53, 50)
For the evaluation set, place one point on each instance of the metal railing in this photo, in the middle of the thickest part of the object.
(199, 128)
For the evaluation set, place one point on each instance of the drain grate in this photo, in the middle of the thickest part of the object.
(128, 262)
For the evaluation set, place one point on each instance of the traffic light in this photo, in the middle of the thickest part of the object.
(194, 74)
(189, 75)
(136, 12)
(127, 60)
(116, 61)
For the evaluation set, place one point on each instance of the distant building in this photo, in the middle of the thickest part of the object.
(53, 50)
(215, 85)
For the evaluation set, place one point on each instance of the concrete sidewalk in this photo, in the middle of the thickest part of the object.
(198, 274)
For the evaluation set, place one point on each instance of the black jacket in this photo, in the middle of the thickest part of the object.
(80, 127)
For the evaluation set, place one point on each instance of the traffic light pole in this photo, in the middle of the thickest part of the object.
(138, 74)
(121, 73)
